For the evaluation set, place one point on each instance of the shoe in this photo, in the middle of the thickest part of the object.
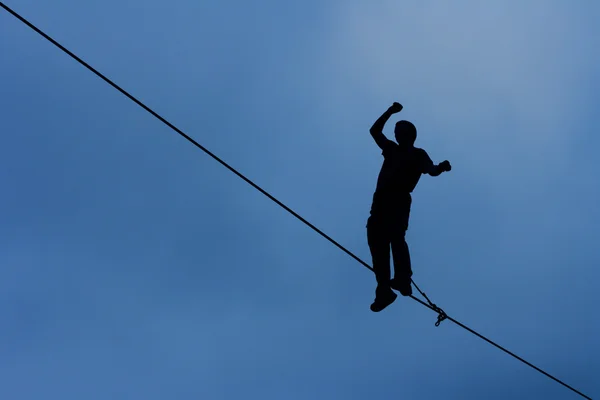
(382, 301)
(404, 288)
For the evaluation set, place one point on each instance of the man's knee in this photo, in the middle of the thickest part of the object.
(377, 231)
(398, 242)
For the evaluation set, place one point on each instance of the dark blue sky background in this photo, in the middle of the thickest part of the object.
(133, 266)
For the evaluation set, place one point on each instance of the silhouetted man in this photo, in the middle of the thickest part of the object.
(402, 168)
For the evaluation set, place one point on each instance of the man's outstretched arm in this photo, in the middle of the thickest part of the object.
(436, 170)
(377, 128)
(428, 167)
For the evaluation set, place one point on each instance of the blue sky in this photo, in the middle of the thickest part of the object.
(133, 266)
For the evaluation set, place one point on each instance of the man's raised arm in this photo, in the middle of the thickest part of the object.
(377, 128)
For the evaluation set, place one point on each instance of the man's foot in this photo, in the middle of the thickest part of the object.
(382, 300)
(403, 286)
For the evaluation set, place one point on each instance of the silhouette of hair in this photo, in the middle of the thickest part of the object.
(405, 131)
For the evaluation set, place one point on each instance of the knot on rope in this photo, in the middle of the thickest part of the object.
(441, 313)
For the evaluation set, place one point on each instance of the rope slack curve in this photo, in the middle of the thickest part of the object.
(441, 314)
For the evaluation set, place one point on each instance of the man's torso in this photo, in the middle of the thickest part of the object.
(399, 175)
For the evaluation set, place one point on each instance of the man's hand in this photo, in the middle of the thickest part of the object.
(395, 108)
(445, 166)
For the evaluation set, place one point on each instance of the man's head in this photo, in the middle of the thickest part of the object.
(406, 133)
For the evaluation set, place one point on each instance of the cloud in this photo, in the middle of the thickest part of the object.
(485, 82)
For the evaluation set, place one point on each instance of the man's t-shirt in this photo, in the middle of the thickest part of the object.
(401, 170)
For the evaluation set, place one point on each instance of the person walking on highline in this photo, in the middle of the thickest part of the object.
(402, 168)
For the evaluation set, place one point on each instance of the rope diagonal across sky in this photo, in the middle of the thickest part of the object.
(441, 314)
